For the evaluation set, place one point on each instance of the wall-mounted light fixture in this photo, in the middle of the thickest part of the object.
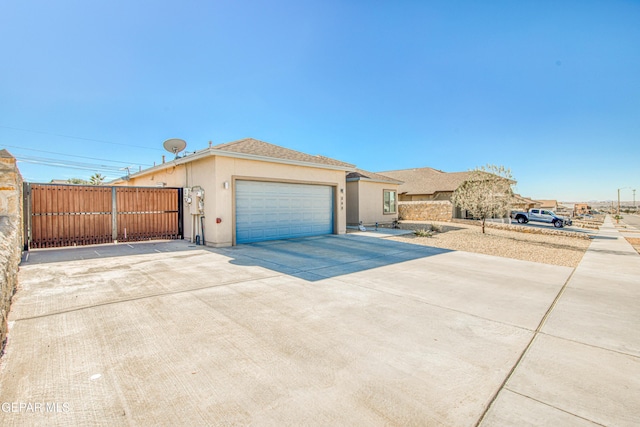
(226, 185)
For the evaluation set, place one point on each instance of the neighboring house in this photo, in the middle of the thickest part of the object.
(549, 204)
(564, 210)
(427, 184)
(249, 191)
(581, 209)
(371, 198)
(521, 203)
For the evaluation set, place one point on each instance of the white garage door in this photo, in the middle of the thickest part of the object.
(277, 210)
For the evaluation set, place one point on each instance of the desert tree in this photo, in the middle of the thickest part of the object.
(97, 179)
(79, 181)
(486, 193)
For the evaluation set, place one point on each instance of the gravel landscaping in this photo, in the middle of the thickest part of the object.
(635, 242)
(548, 249)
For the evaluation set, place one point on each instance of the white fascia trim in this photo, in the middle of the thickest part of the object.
(379, 181)
(213, 152)
(283, 161)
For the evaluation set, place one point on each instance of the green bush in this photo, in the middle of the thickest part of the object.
(436, 227)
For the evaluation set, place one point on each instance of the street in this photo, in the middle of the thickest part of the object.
(631, 220)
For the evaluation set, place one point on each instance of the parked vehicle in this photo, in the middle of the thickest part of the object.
(540, 215)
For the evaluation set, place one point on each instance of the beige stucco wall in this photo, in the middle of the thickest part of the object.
(370, 201)
(212, 172)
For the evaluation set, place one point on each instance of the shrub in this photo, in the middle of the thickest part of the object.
(423, 232)
(436, 227)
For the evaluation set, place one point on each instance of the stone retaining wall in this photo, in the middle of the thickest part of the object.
(432, 210)
(524, 229)
(10, 236)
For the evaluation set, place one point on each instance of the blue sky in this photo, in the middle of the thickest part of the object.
(550, 89)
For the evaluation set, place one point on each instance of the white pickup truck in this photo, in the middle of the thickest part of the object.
(541, 215)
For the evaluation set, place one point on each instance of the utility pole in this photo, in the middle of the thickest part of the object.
(618, 216)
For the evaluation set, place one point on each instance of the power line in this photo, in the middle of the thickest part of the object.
(74, 155)
(68, 162)
(70, 165)
(78, 137)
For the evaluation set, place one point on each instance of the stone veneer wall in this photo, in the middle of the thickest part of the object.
(10, 236)
(432, 210)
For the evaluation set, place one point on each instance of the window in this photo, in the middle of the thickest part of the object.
(389, 205)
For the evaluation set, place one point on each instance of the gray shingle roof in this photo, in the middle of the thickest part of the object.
(361, 173)
(427, 180)
(264, 149)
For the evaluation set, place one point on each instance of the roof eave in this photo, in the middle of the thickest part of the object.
(379, 181)
(208, 152)
(222, 153)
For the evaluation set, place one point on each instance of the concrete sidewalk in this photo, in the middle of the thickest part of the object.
(583, 366)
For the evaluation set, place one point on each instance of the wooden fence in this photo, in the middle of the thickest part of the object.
(59, 215)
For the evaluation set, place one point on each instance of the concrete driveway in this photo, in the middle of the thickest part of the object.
(336, 330)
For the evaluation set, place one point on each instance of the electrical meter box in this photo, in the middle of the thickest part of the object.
(195, 200)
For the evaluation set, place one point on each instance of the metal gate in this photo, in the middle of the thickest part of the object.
(59, 215)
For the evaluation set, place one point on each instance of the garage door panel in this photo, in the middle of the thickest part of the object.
(272, 210)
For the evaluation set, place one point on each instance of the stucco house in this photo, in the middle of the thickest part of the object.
(421, 184)
(428, 184)
(581, 209)
(549, 204)
(250, 191)
(371, 198)
(521, 203)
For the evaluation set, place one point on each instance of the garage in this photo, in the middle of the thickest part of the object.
(281, 210)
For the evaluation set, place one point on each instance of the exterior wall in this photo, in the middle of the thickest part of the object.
(426, 211)
(524, 206)
(551, 205)
(199, 172)
(211, 173)
(371, 202)
(581, 208)
(353, 207)
(11, 240)
(445, 195)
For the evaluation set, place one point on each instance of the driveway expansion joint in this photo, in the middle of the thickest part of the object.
(527, 348)
(141, 297)
(554, 407)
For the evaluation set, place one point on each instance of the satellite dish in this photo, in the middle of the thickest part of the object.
(174, 145)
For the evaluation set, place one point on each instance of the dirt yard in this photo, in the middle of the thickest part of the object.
(547, 249)
(635, 242)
